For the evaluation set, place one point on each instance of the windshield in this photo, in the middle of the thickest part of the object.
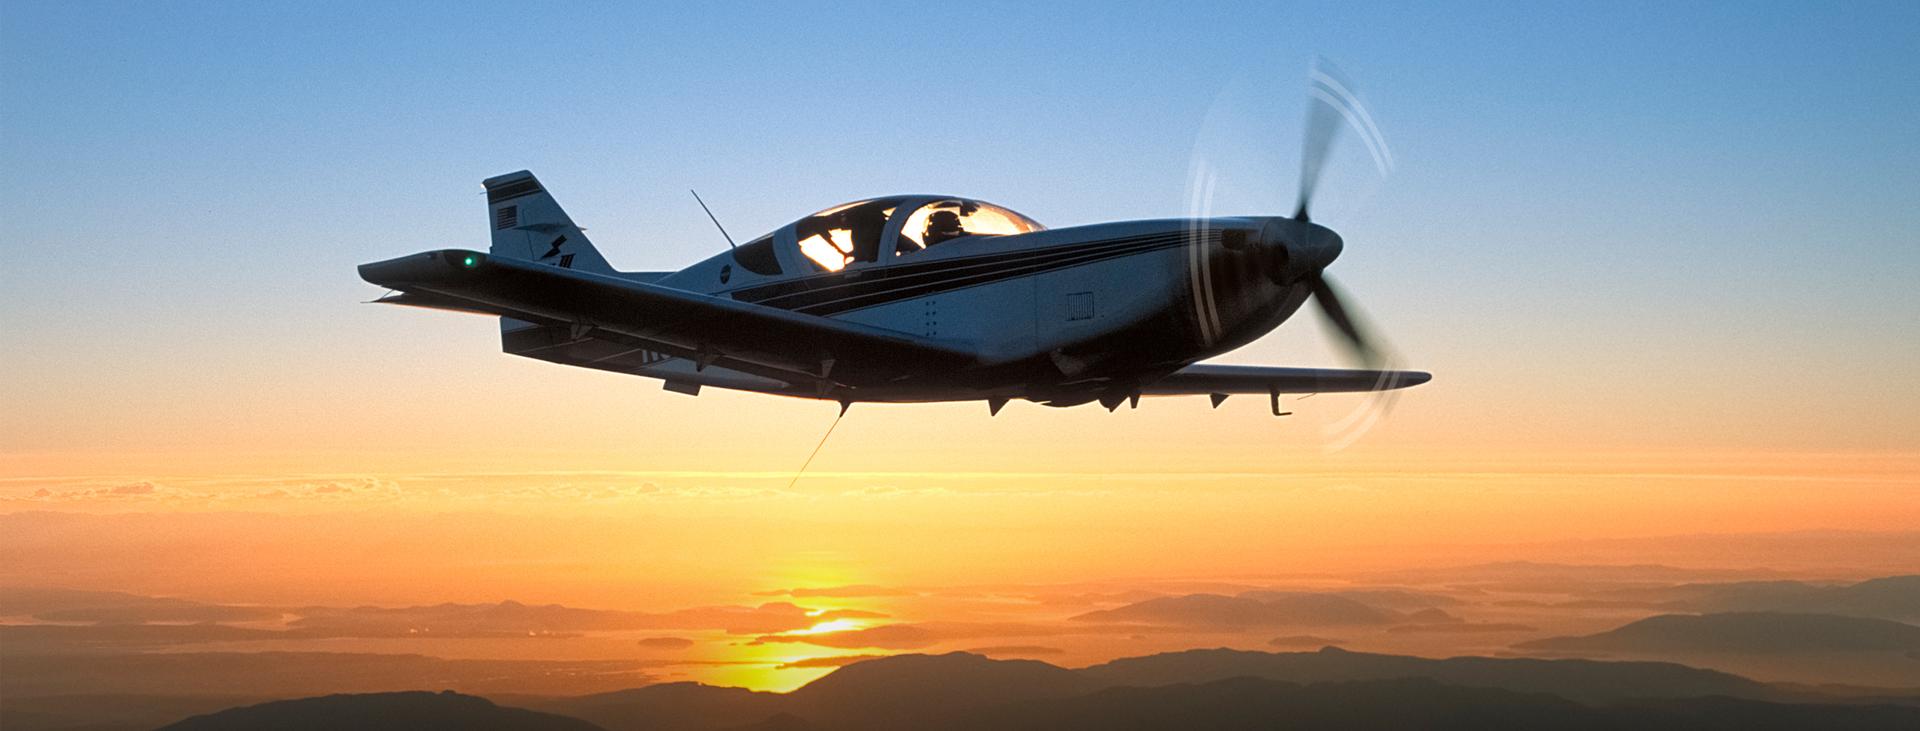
(945, 220)
(842, 235)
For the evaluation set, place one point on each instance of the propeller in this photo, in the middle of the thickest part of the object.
(1354, 336)
(1296, 251)
(1323, 124)
(1331, 103)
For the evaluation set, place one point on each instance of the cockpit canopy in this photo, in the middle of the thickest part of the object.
(864, 231)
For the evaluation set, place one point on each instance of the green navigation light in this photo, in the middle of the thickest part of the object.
(469, 261)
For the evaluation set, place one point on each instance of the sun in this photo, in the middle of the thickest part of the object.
(831, 625)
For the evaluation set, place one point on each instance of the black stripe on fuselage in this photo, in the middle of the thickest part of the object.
(831, 294)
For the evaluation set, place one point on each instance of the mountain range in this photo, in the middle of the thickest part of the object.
(1894, 598)
(377, 711)
(1222, 689)
(1745, 632)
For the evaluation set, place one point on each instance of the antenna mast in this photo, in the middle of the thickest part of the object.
(716, 221)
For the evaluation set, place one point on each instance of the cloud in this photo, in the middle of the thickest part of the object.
(356, 488)
(841, 592)
(510, 618)
(1531, 577)
(141, 490)
(886, 491)
(833, 614)
(889, 636)
(665, 643)
(911, 636)
(1460, 627)
(1394, 599)
(1093, 598)
(617, 488)
(214, 492)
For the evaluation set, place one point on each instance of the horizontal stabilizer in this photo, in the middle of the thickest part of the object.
(429, 301)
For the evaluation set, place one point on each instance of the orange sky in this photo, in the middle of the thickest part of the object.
(396, 484)
(633, 489)
(637, 538)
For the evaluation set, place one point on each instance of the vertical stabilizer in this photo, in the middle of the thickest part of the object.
(528, 224)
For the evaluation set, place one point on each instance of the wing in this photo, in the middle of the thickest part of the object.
(1211, 379)
(844, 352)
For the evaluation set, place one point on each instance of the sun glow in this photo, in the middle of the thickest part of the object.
(776, 667)
(831, 625)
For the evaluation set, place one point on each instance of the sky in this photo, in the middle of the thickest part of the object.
(1658, 259)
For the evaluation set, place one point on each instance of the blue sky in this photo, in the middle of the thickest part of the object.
(1643, 221)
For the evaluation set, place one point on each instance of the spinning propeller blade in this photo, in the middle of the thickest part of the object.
(1353, 335)
(1331, 105)
(1323, 124)
(1333, 100)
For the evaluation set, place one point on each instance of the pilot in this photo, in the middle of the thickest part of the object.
(943, 226)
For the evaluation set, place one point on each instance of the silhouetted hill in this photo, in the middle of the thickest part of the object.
(1255, 703)
(914, 690)
(1895, 597)
(909, 686)
(779, 722)
(292, 674)
(1743, 632)
(55, 604)
(1215, 689)
(1716, 713)
(1583, 680)
(884, 691)
(671, 706)
(1892, 595)
(96, 712)
(1268, 609)
(24, 639)
(378, 711)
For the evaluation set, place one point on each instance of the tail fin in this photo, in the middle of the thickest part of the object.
(528, 224)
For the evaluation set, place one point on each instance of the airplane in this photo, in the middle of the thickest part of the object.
(920, 298)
